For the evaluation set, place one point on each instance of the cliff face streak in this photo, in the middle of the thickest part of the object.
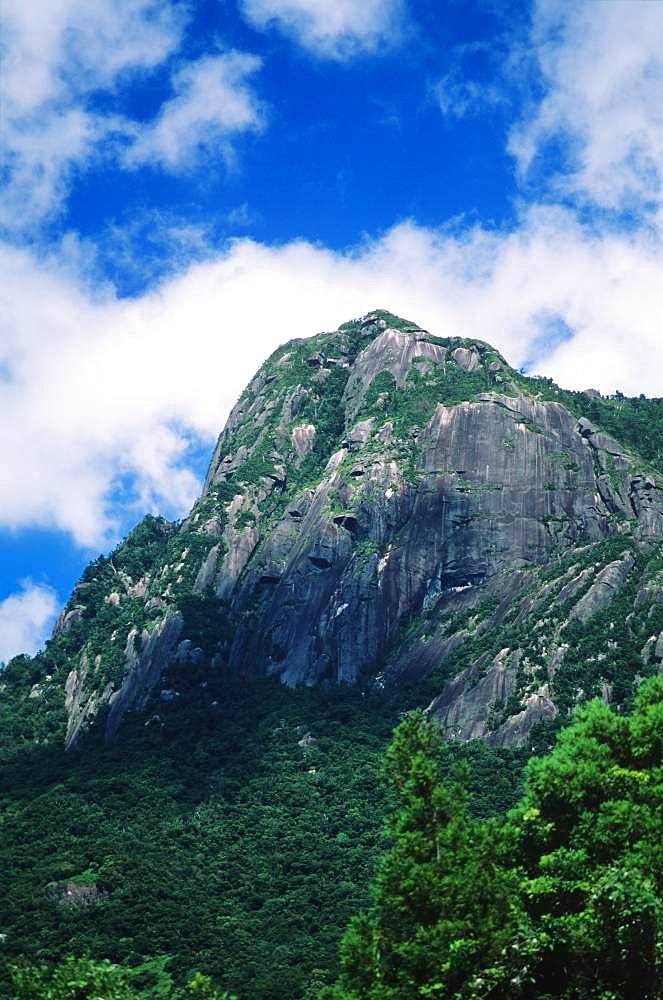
(478, 507)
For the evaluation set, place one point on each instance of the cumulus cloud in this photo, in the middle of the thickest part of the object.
(75, 46)
(54, 59)
(26, 618)
(57, 64)
(212, 101)
(338, 30)
(601, 68)
(100, 392)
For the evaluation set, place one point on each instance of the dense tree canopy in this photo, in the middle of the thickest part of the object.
(235, 828)
(561, 898)
(84, 979)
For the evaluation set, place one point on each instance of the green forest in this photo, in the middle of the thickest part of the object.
(236, 831)
(226, 864)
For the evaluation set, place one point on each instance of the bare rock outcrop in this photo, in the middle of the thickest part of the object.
(607, 584)
(207, 572)
(83, 698)
(147, 654)
(515, 731)
(393, 351)
(464, 707)
(469, 360)
(303, 439)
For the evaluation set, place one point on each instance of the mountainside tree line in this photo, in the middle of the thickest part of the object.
(561, 896)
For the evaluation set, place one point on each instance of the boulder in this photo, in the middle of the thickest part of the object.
(606, 586)
(468, 360)
(303, 438)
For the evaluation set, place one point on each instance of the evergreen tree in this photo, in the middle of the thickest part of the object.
(444, 906)
(590, 835)
(562, 898)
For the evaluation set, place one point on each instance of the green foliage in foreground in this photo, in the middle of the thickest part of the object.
(562, 898)
(83, 979)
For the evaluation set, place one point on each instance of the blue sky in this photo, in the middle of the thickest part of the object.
(189, 184)
(339, 146)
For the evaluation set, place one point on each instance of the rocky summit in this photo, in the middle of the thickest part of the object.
(395, 510)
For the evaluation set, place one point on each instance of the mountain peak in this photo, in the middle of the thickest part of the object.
(384, 507)
(381, 319)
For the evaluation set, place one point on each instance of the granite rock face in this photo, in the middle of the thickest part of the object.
(495, 484)
(145, 656)
(146, 653)
(607, 583)
(465, 706)
(385, 507)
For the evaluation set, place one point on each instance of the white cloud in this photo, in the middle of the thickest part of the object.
(71, 47)
(142, 244)
(601, 67)
(212, 101)
(101, 390)
(54, 59)
(26, 618)
(476, 80)
(56, 64)
(334, 30)
(458, 96)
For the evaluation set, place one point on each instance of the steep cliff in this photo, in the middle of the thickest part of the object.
(400, 511)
